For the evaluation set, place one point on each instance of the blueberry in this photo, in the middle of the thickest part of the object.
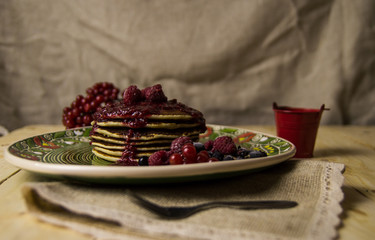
(228, 158)
(243, 153)
(199, 146)
(256, 154)
(218, 155)
(143, 161)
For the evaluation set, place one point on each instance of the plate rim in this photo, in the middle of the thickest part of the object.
(150, 172)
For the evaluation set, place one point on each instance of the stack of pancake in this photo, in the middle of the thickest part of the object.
(123, 134)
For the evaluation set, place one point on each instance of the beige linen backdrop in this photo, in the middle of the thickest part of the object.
(229, 58)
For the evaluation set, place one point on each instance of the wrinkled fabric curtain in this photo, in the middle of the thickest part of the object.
(229, 59)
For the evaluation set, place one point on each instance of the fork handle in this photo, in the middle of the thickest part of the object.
(269, 204)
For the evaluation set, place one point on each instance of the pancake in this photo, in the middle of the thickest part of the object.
(140, 152)
(139, 145)
(141, 134)
(126, 130)
(99, 137)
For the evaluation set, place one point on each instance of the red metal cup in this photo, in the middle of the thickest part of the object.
(299, 126)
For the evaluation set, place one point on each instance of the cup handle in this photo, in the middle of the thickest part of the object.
(275, 105)
(322, 108)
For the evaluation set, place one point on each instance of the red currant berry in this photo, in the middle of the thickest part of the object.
(69, 115)
(213, 159)
(99, 99)
(87, 119)
(79, 99)
(69, 123)
(86, 107)
(94, 105)
(176, 159)
(95, 91)
(90, 91)
(202, 156)
(189, 153)
(115, 91)
(107, 92)
(79, 120)
(66, 110)
(188, 150)
(89, 98)
(75, 112)
(75, 104)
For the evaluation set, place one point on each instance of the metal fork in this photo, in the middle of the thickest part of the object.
(186, 211)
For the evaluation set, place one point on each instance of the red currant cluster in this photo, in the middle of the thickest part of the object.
(190, 155)
(80, 112)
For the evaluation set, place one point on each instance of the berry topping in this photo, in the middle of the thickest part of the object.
(224, 145)
(158, 158)
(132, 95)
(178, 143)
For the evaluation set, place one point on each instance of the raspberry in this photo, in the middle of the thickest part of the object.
(158, 158)
(132, 95)
(178, 143)
(154, 94)
(224, 145)
(208, 145)
(145, 92)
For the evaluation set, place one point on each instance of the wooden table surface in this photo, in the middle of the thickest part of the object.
(353, 146)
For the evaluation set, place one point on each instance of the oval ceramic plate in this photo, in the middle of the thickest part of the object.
(67, 155)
